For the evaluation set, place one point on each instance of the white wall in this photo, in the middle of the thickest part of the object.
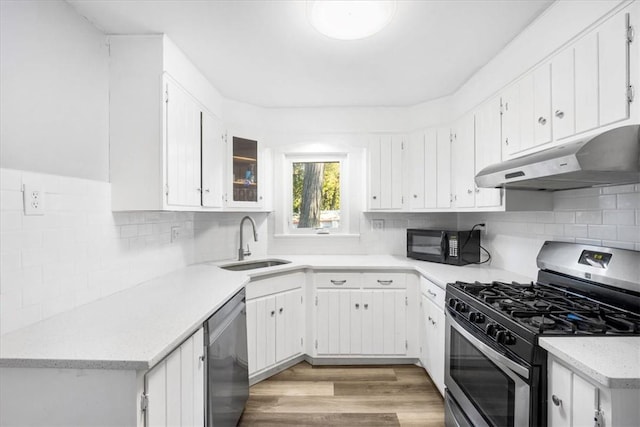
(608, 216)
(54, 105)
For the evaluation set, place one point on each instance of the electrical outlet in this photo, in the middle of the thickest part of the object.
(377, 224)
(33, 200)
(175, 233)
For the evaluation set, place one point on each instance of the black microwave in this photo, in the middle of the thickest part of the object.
(444, 246)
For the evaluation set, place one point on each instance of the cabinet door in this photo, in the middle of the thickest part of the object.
(289, 324)
(175, 387)
(443, 159)
(463, 161)
(252, 335)
(528, 121)
(487, 148)
(510, 121)
(212, 161)
(584, 402)
(368, 331)
(542, 104)
(562, 87)
(417, 171)
(389, 321)
(333, 322)
(430, 166)
(182, 123)
(270, 330)
(244, 173)
(355, 321)
(586, 83)
(559, 392)
(262, 326)
(385, 172)
(438, 348)
(614, 67)
(425, 331)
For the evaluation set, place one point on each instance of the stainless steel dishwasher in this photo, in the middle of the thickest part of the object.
(227, 367)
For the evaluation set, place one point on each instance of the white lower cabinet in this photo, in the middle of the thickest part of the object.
(275, 322)
(573, 401)
(174, 388)
(367, 319)
(432, 333)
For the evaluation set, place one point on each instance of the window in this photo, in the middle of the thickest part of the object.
(315, 190)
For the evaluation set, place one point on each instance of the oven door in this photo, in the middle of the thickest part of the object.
(427, 245)
(486, 386)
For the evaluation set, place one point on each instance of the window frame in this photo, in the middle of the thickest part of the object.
(290, 159)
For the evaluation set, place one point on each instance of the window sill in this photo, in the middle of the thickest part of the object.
(316, 236)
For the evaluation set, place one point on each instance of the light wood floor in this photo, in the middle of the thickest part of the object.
(305, 395)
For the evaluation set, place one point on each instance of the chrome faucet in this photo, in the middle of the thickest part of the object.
(241, 252)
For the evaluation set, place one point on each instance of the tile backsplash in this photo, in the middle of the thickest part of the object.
(606, 216)
(78, 251)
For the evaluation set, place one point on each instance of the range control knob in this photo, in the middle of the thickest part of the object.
(491, 329)
(509, 339)
(500, 336)
(476, 317)
(452, 302)
(461, 307)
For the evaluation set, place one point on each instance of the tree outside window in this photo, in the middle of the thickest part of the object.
(316, 195)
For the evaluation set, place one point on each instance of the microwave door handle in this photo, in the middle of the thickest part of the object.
(444, 245)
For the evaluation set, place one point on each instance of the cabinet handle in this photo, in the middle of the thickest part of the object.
(559, 114)
(385, 282)
(477, 190)
(338, 282)
(430, 292)
(556, 400)
(430, 320)
(415, 196)
(357, 306)
(542, 121)
(469, 191)
(366, 306)
(273, 313)
(375, 197)
(199, 190)
(201, 358)
(281, 310)
(506, 141)
(206, 190)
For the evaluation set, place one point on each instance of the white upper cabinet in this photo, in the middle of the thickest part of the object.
(613, 54)
(488, 149)
(586, 83)
(542, 104)
(463, 161)
(183, 124)
(245, 172)
(429, 175)
(212, 160)
(385, 172)
(164, 137)
(584, 86)
(562, 87)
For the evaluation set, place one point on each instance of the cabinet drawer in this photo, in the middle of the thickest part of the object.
(385, 280)
(337, 279)
(432, 291)
(268, 286)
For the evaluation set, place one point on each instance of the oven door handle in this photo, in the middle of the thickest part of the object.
(488, 351)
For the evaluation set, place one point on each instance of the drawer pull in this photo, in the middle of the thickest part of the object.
(366, 306)
(281, 310)
(430, 292)
(357, 306)
(273, 313)
(556, 400)
(338, 282)
(385, 282)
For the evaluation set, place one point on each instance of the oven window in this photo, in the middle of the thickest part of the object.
(490, 389)
(429, 245)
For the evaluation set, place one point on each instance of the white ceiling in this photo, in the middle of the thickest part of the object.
(266, 53)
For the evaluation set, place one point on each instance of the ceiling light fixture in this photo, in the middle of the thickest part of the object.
(350, 20)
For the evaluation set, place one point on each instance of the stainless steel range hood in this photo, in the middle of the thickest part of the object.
(612, 157)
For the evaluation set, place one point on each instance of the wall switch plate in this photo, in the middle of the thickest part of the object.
(33, 200)
(377, 224)
(175, 233)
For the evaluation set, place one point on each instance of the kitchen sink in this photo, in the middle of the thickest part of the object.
(252, 265)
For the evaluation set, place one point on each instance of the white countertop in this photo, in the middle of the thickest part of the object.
(136, 328)
(612, 361)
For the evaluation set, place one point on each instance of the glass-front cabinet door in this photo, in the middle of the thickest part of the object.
(245, 188)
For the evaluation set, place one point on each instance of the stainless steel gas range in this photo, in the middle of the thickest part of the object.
(495, 373)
